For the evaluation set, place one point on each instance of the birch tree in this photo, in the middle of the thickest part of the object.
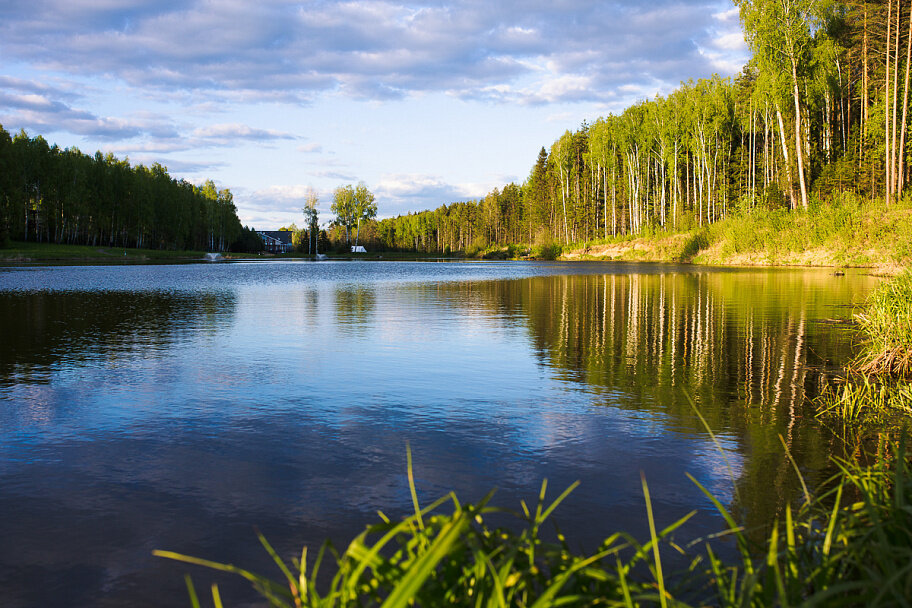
(779, 33)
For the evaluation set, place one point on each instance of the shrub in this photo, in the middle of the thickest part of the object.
(477, 247)
(696, 242)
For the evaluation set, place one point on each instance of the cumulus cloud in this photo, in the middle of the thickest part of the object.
(403, 192)
(724, 45)
(278, 49)
(33, 86)
(279, 205)
(37, 107)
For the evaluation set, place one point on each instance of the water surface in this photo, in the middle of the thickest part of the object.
(178, 407)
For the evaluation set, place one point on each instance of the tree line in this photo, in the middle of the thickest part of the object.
(821, 109)
(53, 195)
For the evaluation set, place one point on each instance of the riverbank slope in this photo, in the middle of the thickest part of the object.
(849, 234)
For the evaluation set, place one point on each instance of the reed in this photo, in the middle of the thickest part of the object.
(887, 323)
(876, 386)
(866, 399)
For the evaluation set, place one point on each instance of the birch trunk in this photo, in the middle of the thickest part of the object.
(785, 157)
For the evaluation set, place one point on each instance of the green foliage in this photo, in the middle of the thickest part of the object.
(477, 247)
(352, 205)
(49, 195)
(544, 247)
(312, 221)
(248, 241)
(863, 399)
(772, 198)
(695, 243)
(546, 252)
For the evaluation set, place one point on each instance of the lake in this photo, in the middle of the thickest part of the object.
(184, 407)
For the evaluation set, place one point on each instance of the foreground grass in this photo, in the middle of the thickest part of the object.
(850, 544)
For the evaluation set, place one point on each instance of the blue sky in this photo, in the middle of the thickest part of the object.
(426, 102)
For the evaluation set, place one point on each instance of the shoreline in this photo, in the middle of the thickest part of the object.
(640, 250)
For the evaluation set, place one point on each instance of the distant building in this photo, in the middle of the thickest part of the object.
(276, 241)
(358, 249)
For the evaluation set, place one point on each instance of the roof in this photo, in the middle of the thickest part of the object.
(283, 236)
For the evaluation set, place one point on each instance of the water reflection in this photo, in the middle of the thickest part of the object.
(355, 307)
(749, 349)
(43, 330)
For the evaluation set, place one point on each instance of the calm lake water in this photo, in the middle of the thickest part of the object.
(181, 407)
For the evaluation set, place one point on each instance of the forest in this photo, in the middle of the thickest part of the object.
(820, 113)
(49, 195)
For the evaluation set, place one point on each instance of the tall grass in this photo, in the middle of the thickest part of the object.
(877, 382)
(865, 399)
(887, 322)
(849, 544)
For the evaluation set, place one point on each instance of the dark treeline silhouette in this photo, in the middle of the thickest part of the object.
(819, 112)
(50, 195)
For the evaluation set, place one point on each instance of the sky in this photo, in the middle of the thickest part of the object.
(428, 102)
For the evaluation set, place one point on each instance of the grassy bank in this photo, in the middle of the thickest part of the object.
(21, 252)
(849, 232)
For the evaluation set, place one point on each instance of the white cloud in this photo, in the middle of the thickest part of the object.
(563, 87)
(399, 193)
(733, 41)
(730, 15)
(276, 49)
(229, 133)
